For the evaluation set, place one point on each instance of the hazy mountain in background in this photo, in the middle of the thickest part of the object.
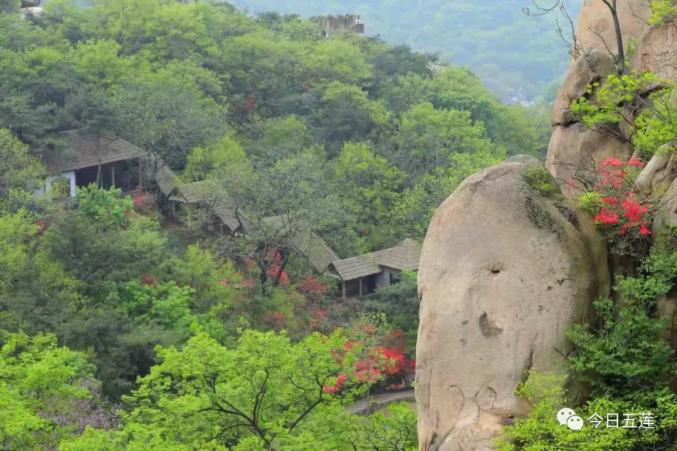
(516, 55)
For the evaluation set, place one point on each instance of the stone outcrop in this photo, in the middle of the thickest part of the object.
(666, 214)
(592, 66)
(505, 269)
(574, 149)
(657, 52)
(595, 29)
(659, 172)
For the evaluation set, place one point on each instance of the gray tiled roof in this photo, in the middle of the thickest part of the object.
(355, 268)
(84, 150)
(404, 257)
(309, 244)
(208, 192)
(165, 179)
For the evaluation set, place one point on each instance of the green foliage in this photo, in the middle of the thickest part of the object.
(369, 188)
(661, 10)
(347, 114)
(538, 178)
(513, 53)
(208, 396)
(590, 202)
(616, 102)
(541, 430)
(226, 159)
(165, 304)
(429, 138)
(624, 353)
(38, 381)
(20, 172)
(400, 304)
(91, 440)
(107, 208)
(625, 350)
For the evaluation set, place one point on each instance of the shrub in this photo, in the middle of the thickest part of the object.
(622, 214)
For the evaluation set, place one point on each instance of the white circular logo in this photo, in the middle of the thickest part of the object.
(564, 414)
(575, 423)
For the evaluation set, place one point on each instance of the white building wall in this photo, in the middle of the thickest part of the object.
(47, 187)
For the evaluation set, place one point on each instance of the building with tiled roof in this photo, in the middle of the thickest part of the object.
(363, 274)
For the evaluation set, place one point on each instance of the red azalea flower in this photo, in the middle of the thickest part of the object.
(610, 200)
(612, 162)
(148, 279)
(330, 389)
(635, 162)
(633, 210)
(644, 230)
(606, 216)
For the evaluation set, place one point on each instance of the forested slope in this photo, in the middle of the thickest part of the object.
(511, 52)
(158, 335)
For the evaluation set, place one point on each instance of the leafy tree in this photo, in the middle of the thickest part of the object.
(208, 396)
(369, 187)
(279, 138)
(400, 303)
(619, 104)
(429, 138)
(19, 170)
(39, 383)
(36, 293)
(166, 112)
(216, 284)
(347, 114)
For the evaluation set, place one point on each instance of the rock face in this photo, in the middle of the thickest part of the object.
(596, 30)
(591, 67)
(574, 149)
(666, 215)
(657, 52)
(504, 271)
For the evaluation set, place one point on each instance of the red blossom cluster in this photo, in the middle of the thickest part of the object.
(275, 268)
(276, 318)
(337, 386)
(623, 211)
(312, 288)
(148, 279)
(138, 200)
(378, 363)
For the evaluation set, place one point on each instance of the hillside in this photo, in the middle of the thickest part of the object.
(226, 226)
(512, 53)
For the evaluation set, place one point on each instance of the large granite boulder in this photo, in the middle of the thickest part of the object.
(507, 265)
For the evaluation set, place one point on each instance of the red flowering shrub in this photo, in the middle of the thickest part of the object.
(276, 319)
(274, 269)
(618, 209)
(337, 386)
(148, 279)
(312, 288)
